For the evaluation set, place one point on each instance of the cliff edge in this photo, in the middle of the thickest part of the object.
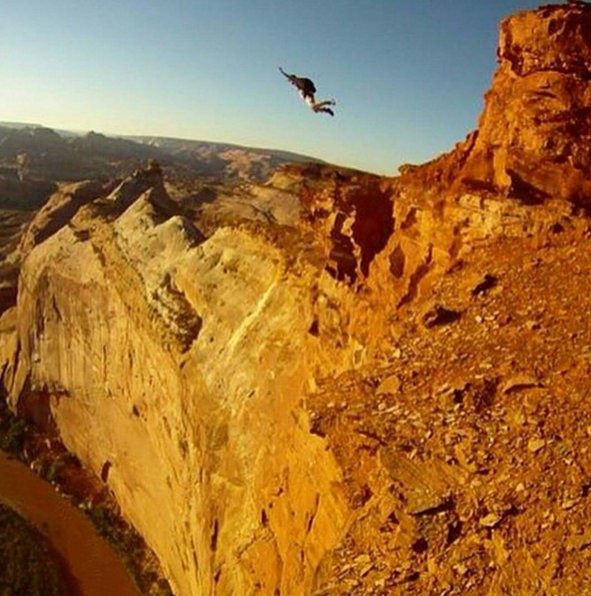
(333, 382)
(532, 141)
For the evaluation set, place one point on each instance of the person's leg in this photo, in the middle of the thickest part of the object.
(309, 99)
(326, 102)
(320, 108)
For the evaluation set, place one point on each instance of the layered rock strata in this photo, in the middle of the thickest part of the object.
(534, 134)
(176, 368)
(180, 361)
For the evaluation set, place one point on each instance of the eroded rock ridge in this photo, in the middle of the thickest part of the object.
(326, 382)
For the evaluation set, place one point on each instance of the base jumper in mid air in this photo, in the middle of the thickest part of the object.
(307, 89)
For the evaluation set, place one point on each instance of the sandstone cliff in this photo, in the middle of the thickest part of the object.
(178, 365)
(533, 138)
(336, 382)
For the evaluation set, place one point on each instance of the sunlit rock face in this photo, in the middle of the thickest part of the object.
(535, 131)
(176, 367)
(534, 134)
(177, 355)
(531, 149)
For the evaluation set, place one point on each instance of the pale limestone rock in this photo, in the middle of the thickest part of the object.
(182, 363)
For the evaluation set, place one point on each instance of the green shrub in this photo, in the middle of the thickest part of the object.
(12, 434)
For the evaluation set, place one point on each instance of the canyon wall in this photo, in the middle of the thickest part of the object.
(178, 366)
(175, 368)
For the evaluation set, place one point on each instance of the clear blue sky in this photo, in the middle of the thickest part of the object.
(408, 75)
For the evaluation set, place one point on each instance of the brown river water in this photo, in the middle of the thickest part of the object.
(90, 560)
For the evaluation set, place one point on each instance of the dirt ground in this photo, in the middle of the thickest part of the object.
(467, 449)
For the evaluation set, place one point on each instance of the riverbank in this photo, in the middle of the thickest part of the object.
(28, 563)
(90, 561)
(34, 468)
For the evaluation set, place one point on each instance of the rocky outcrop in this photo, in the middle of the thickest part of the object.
(58, 211)
(534, 134)
(178, 365)
(531, 149)
(271, 384)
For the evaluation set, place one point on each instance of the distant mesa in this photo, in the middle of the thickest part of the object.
(330, 380)
(32, 153)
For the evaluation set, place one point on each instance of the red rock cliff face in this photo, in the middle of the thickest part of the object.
(194, 364)
(534, 136)
(525, 170)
